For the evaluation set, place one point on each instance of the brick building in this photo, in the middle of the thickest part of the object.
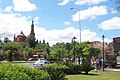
(22, 38)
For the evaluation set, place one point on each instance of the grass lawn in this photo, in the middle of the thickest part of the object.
(96, 76)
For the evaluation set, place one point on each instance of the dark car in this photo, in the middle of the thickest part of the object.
(106, 63)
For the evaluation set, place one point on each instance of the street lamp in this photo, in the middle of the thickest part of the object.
(103, 51)
(74, 48)
(78, 21)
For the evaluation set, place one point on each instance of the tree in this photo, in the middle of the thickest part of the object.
(86, 51)
(68, 47)
(31, 41)
(11, 49)
(48, 50)
(9, 55)
(41, 46)
(58, 50)
(6, 40)
(26, 52)
(109, 55)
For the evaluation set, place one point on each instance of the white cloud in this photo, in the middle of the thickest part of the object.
(67, 23)
(8, 8)
(114, 11)
(90, 13)
(11, 24)
(23, 6)
(63, 3)
(82, 2)
(88, 35)
(110, 24)
(65, 35)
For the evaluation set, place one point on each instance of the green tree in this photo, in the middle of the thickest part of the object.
(27, 52)
(58, 50)
(90, 52)
(44, 48)
(41, 46)
(6, 40)
(12, 48)
(79, 52)
(86, 51)
(48, 50)
(68, 47)
(9, 55)
(32, 41)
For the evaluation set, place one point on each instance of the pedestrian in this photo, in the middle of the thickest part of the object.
(100, 63)
(97, 64)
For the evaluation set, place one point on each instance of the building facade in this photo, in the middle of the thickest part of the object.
(21, 37)
(116, 45)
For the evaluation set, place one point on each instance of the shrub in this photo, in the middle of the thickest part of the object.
(86, 67)
(15, 75)
(56, 71)
(19, 72)
(73, 68)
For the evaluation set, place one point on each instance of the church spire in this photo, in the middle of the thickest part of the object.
(32, 28)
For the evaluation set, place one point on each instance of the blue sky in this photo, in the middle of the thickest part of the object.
(56, 22)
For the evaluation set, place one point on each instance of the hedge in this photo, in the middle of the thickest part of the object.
(10, 71)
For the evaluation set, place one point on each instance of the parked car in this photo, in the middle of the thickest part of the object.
(106, 64)
(40, 63)
(31, 59)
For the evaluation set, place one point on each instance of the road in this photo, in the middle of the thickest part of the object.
(26, 63)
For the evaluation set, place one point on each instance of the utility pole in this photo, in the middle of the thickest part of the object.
(79, 24)
(103, 52)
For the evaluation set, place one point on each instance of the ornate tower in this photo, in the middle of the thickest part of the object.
(31, 38)
(32, 29)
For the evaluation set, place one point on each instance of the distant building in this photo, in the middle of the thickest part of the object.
(98, 44)
(116, 45)
(22, 38)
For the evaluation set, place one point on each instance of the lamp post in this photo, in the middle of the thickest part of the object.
(74, 48)
(103, 51)
(79, 25)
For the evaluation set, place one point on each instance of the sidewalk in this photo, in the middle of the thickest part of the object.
(109, 69)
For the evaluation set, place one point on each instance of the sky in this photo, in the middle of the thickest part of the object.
(54, 21)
